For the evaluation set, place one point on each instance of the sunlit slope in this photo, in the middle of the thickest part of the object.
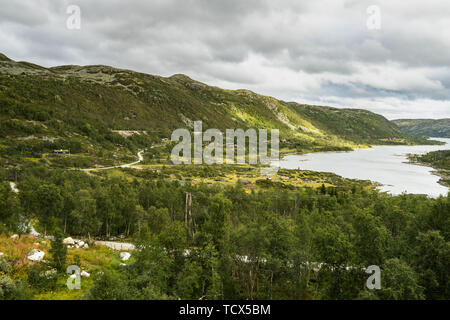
(80, 108)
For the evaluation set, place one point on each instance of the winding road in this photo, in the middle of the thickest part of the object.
(127, 165)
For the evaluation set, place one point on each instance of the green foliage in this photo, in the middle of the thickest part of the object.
(40, 277)
(425, 127)
(58, 251)
(108, 287)
(432, 262)
(399, 282)
(4, 266)
(13, 289)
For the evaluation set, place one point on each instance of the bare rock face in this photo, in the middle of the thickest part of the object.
(124, 256)
(35, 255)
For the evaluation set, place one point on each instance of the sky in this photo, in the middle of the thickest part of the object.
(388, 56)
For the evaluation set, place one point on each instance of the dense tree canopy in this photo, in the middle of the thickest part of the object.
(267, 244)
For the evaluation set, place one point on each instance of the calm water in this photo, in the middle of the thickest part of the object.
(384, 164)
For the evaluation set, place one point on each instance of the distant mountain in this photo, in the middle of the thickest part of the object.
(93, 110)
(425, 127)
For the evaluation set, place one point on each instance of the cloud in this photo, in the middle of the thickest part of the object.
(316, 51)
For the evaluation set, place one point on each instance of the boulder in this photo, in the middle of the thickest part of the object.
(73, 276)
(85, 274)
(69, 241)
(35, 255)
(124, 256)
(15, 236)
(85, 246)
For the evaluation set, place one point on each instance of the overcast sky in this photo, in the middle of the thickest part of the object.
(316, 52)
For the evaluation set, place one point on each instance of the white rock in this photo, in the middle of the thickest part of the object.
(86, 246)
(69, 240)
(15, 236)
(81, 243)
(124, 256)
(35, 233)
(1, 254)
(85, 274)
(35, 255)
(122, 265)
(77, 246)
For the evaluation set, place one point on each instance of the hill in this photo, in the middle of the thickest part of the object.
(103, 115)
(440, 160)
(425, 127)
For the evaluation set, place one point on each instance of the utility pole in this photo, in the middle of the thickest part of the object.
(188, 214)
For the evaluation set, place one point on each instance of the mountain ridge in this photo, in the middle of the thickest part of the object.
(82, 107)
(439, 128)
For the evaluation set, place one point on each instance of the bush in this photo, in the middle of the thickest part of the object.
(41, 277)
(4, 266)
(108, 287)
(13, 290)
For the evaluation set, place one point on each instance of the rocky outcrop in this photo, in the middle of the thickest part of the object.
(35, 255)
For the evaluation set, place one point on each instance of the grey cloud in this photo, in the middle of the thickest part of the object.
(313, 50)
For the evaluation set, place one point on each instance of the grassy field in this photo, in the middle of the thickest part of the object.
(94, 260)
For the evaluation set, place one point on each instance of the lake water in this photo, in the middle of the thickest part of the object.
(384, 164)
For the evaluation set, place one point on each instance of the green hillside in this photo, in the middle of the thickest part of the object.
(358, 125)
(440, 160)
(425, 127)
(82, 108)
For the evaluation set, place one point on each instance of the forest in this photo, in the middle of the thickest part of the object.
(236, 243)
